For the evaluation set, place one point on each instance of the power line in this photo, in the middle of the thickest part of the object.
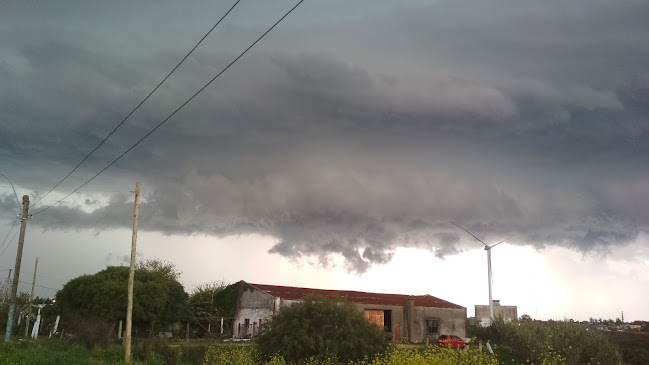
(12, 238)
(14, 189)
(138, 106)
(8, 233)
(47, 276)
(38, 286)
(179, 108)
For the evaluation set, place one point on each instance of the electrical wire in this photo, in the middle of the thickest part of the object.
(43, 276)
(38, 286)
(11, 240)
(139, 105)
(14, 189)
(8, 233)
(177, 109)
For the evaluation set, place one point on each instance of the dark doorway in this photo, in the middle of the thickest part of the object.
(387, 321)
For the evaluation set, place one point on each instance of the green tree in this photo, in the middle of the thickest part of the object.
(322, 328)
(158, 296)
(201, 300)
(164, 268)
(212, 301)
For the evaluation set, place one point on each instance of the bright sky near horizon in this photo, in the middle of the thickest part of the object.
(336, 153)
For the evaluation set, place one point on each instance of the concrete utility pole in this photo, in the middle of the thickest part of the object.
(6, 293)
(19, 257)
(31, 298)
(131, 275)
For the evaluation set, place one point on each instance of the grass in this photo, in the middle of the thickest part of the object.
(66, 352)
(505, 356)
(156, 352)
(634, 347)
(55, 352)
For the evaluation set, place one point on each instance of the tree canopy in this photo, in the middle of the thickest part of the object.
(157, 294)
(322, 328)
(204, 300)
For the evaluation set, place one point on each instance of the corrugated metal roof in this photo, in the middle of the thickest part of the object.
(293, 293)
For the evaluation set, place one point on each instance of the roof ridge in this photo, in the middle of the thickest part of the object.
(293, 293)
(342, 290)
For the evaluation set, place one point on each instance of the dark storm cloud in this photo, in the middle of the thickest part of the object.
(520, 120)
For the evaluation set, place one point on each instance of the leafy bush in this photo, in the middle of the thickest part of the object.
(321, 328)
(433, 355)
(634, 347)
(231, 355)
(552, 341)
(245, 355)
(158, 296)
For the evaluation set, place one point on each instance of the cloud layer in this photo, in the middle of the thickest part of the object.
(519, 120)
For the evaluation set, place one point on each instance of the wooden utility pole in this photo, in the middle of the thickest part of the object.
(131, 275)
(19, 258)
(31, 299)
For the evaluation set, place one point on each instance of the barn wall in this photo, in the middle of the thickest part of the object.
(450, 321)
(407, 323)
(397, 323)
(253, 305)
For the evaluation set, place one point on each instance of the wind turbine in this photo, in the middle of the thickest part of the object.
(488, 249)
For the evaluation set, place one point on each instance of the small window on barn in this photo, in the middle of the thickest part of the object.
(432, 326)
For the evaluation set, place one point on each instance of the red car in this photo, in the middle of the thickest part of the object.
(452, 341)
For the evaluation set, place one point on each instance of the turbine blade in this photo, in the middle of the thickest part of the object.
(486, 245)
(492, 246)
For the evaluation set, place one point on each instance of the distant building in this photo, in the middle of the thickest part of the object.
(634, 327)
(507, 312)
(411, 318)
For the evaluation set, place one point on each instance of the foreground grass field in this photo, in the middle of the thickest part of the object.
(55, 352)
(634, 347)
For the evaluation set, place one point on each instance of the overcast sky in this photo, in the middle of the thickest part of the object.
(337, 152)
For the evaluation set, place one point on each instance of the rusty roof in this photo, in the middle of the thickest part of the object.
(293, 293)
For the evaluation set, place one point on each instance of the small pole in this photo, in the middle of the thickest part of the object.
(119, 331)
(187, 333)
(31, 299)
(19, 258)
(131, 275)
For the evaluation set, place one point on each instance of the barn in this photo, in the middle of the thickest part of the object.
(408, 318)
